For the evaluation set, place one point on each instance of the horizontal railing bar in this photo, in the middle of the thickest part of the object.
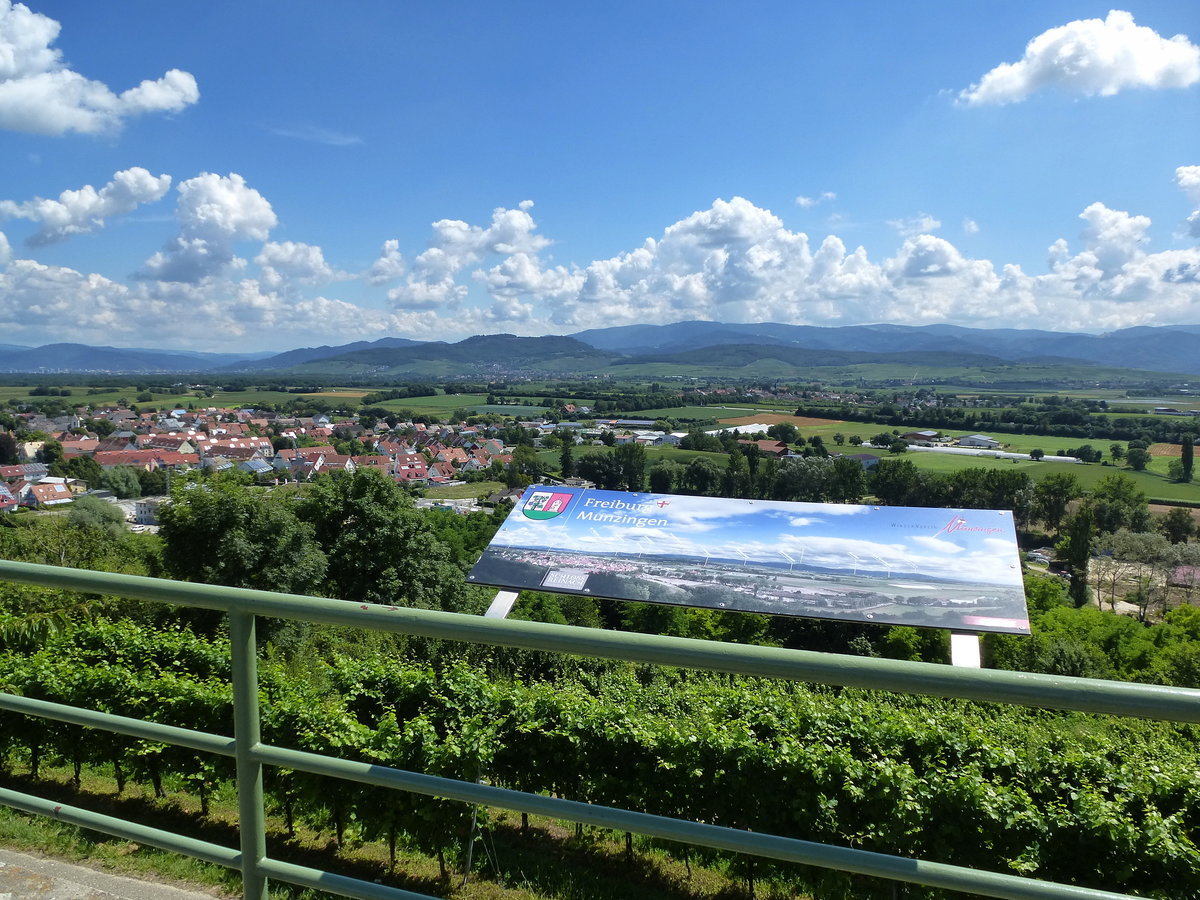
(132, 831)
(138, 728)
(988, 685)
(862, 862)
(342, 885)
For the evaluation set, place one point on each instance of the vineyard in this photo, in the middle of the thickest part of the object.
(1096, 802)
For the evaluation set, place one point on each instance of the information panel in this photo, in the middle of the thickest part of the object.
(939, 568)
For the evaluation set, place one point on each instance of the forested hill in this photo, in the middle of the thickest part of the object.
(308, 354)
(481, 353)
(712, 345)
(1167, 348)
(739, 355)
(85, 358)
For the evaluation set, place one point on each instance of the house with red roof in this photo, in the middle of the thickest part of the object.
(178, 461)
(777, 449)
(42, 495)
(141, 459)
(379, 463)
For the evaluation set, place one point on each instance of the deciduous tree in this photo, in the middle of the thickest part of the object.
(219, 532)
(1076, 549)
(378, 548)
(1138, 458)
(123, 482)
(1053, 495)
(1177, 525)
(1117, 502)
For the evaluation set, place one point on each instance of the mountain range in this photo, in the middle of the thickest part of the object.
(1169, 348)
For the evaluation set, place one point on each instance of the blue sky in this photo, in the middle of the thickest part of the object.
(247, 176)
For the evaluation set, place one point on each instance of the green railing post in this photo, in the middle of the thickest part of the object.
(247, 734)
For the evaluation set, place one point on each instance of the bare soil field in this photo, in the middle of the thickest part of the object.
(1165, 450)
(1161, 509)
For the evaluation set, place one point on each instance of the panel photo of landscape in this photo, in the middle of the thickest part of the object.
(939, 568)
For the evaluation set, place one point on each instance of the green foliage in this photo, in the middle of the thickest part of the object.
(152, 484)
(58, 540)
(216, 531)
(1137, 458)
(1177, 525)
(1093, 802)
(666, 477)
(701, 476)
(786, 432)
(123, 481)
(92, 512)
(85, 469)
(377, 547)
(463, 536)
(51, 453)
(631, 458)
(897, 482)
(1076, 550)
(1052, 497)
(1096, 643)
(1117, 503)
(8, 449)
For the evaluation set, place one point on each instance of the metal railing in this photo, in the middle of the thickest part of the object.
(250, 754)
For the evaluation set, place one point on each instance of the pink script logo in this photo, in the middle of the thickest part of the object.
(958, 523)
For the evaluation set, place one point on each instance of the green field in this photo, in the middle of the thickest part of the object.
(549, 458)
(1006, 378)
(441, 405)
(673, 412)
(1156, 486)
(509, 410)
(463, 491)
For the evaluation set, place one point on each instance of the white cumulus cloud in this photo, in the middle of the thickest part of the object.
(38, 300)
(454, 245)
(291, 263)
(1090, 57)
(921, 223)
(808, 202)
(214, 211)
(1113, 237)
(1188, 178)
(85, 210)
(732, 261)
(970, 226)
(388, 266)
(1113, 281)
(737, 262)
(40, 94)
(5, 249)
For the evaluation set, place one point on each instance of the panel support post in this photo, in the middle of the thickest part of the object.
(502, 604)
(965, 650)
(247, 739)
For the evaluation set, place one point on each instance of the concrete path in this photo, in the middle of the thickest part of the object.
(24, 877)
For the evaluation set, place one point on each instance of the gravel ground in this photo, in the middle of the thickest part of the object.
(24, 877)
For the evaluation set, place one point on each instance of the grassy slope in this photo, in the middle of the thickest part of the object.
(463, 491)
